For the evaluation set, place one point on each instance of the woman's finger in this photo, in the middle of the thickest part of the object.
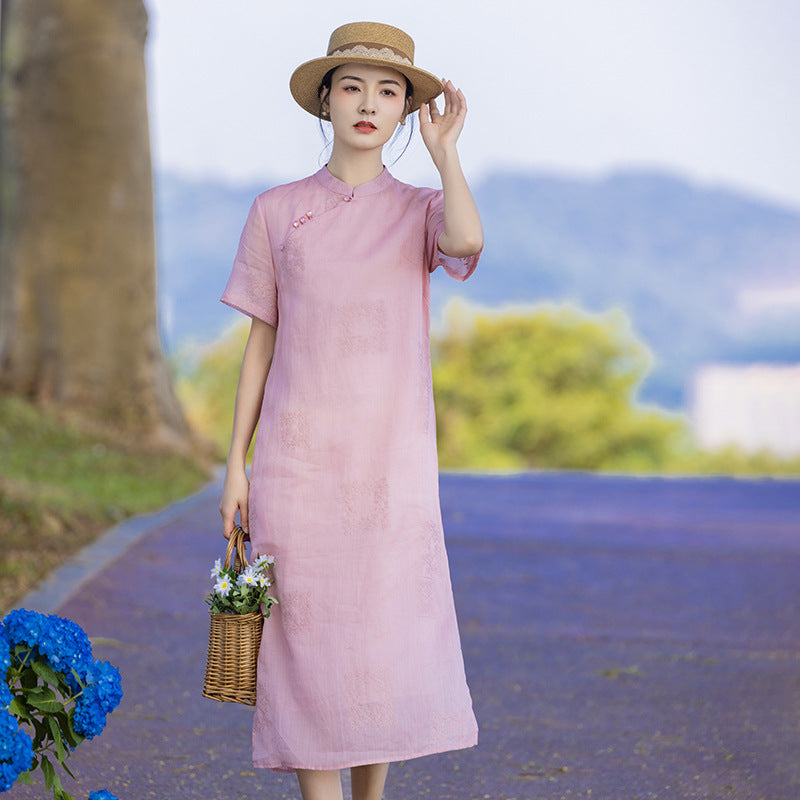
(424, 115)
(463, 101)
(448, 97)
(243, 513)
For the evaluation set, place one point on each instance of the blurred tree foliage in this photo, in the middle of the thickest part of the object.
(545, 387)
(206, 384)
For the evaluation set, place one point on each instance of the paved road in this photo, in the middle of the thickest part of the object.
(624, 639)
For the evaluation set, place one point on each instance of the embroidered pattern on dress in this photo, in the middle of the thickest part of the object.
(265, 712)
(294, 430)
(365, 506)
(362, 328)
(425, 387)
(294, 257)
(445, 726)
(253, 287)
(296, 611)
(369, 703)
(428, 568)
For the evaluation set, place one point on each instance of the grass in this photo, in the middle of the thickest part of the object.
(62, 484)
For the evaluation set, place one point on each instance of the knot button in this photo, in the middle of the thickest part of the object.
(296, 224)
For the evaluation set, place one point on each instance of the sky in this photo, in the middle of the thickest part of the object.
(709, 89)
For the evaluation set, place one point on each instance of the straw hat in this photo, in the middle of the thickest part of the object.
(364, 43)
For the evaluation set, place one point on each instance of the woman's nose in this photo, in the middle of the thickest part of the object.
(368, 103)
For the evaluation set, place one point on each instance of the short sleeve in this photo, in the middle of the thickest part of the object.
(458, 268)
(252, 288)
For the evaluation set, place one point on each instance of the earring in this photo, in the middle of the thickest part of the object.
(402, 122)
(325, 114)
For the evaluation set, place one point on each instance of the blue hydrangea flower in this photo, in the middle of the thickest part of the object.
(105, 679)
(5, 653)
(5, 663)
(16, 751)
(102, 794)
(100, 696)
(61, 642)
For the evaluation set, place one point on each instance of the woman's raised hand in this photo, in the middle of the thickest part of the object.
(440, 130)
(235, 492)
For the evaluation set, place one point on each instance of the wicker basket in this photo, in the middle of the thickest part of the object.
(233, 642)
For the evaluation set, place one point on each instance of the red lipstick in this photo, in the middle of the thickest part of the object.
(364, 125)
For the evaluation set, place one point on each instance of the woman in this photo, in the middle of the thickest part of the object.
(360, 663)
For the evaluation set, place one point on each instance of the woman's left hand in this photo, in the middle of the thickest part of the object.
(441, 130)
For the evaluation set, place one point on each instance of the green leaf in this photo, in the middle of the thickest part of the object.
(28, 679)
(19, 708)
(48, 771)
(67, 769)
(46, 673)
(41, 733)
(40, 693)
(55, 732)
(48, 706)
(25, 777)
(73, 737)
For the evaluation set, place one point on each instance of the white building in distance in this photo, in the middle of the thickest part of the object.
(755, 407)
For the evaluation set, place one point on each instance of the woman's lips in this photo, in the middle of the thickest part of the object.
(365, 126)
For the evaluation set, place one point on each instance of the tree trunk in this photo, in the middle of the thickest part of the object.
(78, 323)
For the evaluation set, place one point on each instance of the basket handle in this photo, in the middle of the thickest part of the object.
(237, 541)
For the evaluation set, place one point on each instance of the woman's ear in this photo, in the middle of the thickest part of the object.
(407, 110)
(324, 104)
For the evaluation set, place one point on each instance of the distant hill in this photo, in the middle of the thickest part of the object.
(706, 274)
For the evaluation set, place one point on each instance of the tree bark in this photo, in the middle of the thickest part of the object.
(78, 322)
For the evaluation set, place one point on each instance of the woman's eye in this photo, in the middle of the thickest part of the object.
(348, 88)
(389, 92)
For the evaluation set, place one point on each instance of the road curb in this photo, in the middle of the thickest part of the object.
(61, 584)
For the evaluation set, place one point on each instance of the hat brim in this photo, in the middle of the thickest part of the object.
(305, 80)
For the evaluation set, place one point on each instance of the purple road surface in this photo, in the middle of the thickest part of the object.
(624, 639)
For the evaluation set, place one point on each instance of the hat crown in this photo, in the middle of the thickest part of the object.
(372, 36)
(369, 43)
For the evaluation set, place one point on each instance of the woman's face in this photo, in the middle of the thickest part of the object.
(366, 103)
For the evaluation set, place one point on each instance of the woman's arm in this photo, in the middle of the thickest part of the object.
(463, 232)
(256, 363)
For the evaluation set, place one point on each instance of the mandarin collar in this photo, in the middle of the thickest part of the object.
(333, 183)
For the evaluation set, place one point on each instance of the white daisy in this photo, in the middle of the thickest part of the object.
(216, 569)
(248, 578)
(223, 586)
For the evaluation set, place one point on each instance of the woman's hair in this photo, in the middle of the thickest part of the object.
(325, 86)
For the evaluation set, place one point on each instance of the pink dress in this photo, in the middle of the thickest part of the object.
(361, 660)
